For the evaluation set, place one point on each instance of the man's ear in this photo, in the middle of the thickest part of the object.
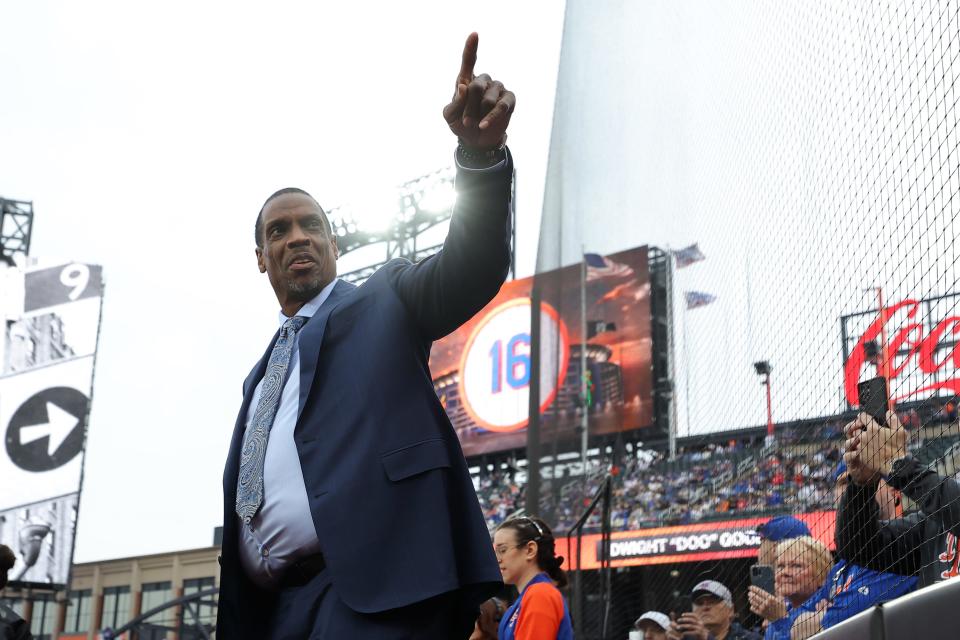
(260, 264)
(336, 249)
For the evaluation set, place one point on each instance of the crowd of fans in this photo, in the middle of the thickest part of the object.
(741, 478)
(648, 490)
(883, 551)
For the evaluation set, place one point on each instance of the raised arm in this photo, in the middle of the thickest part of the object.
(445, 290)
(884, 451)
(892, 546)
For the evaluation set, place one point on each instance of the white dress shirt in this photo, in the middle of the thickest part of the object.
(282, 531)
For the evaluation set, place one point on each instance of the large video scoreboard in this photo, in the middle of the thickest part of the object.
(482, 371)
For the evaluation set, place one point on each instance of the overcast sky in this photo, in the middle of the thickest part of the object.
(148, 134)
(810, 148)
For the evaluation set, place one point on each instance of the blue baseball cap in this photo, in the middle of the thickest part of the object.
(782, 528)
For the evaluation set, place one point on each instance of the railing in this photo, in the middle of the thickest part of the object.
(603, 499)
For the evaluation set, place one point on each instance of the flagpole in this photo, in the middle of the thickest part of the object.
(583, 364)
(686, 363)
(671, 363)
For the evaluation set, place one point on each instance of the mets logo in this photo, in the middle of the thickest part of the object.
(950, 556)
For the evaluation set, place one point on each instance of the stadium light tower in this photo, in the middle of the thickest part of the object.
(16, 222)
(763, 369)
(397, 218)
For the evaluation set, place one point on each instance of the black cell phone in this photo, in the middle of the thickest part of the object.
(872, 396)
(761, 575)
(684, 604)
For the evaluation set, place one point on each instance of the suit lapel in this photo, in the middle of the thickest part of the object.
(311, 337)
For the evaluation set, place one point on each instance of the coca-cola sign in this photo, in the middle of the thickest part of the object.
(922, 347)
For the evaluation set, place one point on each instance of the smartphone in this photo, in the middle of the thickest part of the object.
(761, 575)
(684, 604)
(872, 396)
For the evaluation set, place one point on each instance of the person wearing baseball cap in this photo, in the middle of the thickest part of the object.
(653, 624)
(712, 617)
(769, 606)
(773, 532)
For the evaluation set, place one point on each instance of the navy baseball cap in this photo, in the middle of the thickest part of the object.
(782, 528)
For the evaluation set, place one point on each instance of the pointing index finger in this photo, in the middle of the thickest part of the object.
(469, 59)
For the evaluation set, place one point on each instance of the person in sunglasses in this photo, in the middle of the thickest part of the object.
(525, 552)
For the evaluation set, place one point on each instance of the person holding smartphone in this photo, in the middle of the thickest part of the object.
(922, 543)
(712, 617)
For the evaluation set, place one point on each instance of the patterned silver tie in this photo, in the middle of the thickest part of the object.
(250, 481)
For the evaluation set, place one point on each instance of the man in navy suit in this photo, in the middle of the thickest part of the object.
(348, 508)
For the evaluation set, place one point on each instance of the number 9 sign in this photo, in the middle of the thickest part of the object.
(495, 367)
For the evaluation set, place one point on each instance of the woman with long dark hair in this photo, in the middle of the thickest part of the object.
(525, 551)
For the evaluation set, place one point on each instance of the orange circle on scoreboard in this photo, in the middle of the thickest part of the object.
(562, 369)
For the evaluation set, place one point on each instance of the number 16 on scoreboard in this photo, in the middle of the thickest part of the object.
(495, 366)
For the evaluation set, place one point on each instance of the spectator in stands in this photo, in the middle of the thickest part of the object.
(712, 617)
(653, 624)
(922, 543)
(768, 606)
(773, 532)
(12, 626)
(525, 551)
(802, 567)
(850, 588)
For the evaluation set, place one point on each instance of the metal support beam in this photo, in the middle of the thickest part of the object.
(16, 223)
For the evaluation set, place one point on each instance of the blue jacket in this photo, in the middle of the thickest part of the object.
(389, 491)
(849, 589)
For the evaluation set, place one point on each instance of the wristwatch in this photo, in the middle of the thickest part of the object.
(896, 464)
(474, 158)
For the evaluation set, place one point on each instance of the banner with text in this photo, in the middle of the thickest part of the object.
(724, 539)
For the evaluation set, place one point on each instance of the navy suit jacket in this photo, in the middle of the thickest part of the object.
(389, 491)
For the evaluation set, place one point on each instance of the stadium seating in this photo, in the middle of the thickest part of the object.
(707, 483)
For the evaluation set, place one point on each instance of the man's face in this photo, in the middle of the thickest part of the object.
(712, 611)
(299, 256)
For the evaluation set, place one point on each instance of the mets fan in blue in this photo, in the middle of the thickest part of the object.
(348, 508)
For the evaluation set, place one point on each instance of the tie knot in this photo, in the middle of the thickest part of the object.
(292, 325)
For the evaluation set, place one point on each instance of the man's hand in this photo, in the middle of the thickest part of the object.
(481, 107)
(766, 605)
(673, 632)
(880, 446)
(687, 625)
(871, 449)
(858, 472)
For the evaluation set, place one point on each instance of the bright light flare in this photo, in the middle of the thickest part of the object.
(438, 198)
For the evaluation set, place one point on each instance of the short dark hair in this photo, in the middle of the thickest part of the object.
(533, 529)
(7, 560)
(258, 228)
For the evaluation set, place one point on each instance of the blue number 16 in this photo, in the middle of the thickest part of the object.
(516, 379)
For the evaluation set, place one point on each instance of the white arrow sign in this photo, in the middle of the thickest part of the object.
(58, 426)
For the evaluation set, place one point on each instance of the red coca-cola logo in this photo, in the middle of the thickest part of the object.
(921, 351)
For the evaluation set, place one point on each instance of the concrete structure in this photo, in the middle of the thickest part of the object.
(110, 593)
